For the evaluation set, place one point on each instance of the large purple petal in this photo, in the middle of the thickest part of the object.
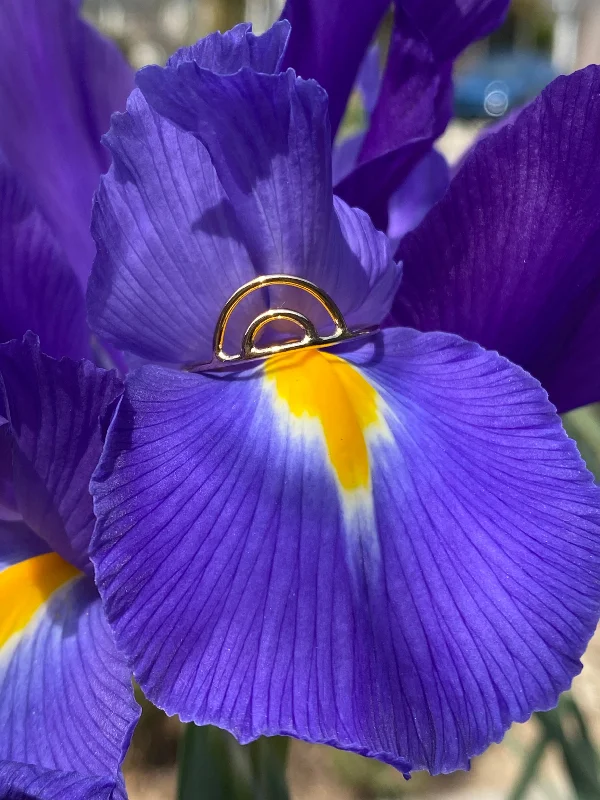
(328, 42)
(59, 83)
(38, 288)
(54, 410)
(398, 558)
(277, 176)
(508, 258)
(66, 701)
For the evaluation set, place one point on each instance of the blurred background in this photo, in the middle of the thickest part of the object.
(554, 755)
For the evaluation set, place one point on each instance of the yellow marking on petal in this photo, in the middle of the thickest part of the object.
(26, 586)
(324, 387)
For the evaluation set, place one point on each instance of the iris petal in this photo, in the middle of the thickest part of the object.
(394, 551)
(38, 289)
(508, 258)
(169, 252)
(54, 409)
(66, 702)
(265, 207)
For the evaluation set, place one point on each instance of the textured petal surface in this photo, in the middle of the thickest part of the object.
(59, 83)
(300, 549)
(25, 782)
(328, 43)
(66, 701)
(508, 258)
(277, 176)
(169, 252)
(38, 289)
(54, 410)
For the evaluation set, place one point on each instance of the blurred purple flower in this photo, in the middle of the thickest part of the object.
(391, 548)
(59, 83)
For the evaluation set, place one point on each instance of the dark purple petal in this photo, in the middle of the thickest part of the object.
(421, 190)
(67, 710)
(328, 42)
(38, 289)
(508, 258)
(345, 156)
(413, 109)
(59, 83)
(54, 410)
(398, 558)
(450, 26)
(226, 53)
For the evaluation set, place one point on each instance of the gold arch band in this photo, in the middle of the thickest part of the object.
(249, 350)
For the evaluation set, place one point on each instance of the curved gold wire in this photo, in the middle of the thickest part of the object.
(250, 350)
(311, 338)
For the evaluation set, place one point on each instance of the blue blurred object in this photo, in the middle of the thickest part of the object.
(501, 82)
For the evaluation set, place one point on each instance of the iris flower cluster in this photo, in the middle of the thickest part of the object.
(343, 508)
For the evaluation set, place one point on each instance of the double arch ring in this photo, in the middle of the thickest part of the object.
(250, 350)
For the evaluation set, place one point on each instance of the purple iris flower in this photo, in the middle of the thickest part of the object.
(389, 545)
(59, 83)
(67, 710)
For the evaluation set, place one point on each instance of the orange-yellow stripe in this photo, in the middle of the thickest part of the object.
(26, 586)
(324, 387)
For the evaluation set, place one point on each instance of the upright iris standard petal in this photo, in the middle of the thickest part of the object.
(170, 251)
(59, 83)
(394, 551)
(277, 176)
(172, 207)
(226, 53)
(413, 108)
(66, 703)
(328, 42)
(38, 289)
(509, 256)
(53, 409)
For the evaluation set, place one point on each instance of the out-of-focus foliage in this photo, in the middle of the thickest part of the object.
(211, 760)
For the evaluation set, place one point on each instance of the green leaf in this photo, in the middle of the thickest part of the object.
(214, 766)
(530, 770)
